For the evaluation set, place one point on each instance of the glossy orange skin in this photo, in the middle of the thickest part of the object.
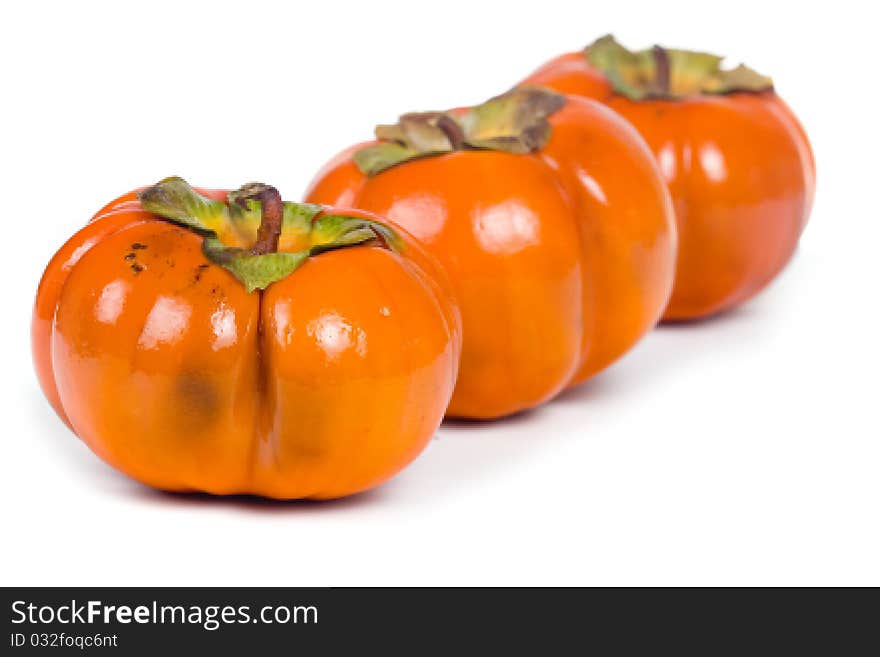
(561, 259)
(742, 177)
(323, 385)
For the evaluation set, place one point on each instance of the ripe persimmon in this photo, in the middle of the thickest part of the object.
(553, 221)
(233, 343)
(737, 161)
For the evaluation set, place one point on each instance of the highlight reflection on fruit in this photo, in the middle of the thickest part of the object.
(738, 163)
(235, 343)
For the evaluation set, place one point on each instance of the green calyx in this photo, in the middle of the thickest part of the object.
(514, 122)
(669, 74)
(254, 235)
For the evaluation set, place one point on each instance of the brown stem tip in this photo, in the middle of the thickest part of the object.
(271, 214)
(452, 130)
(662, 75)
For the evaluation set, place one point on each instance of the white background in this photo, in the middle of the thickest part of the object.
(742, 450)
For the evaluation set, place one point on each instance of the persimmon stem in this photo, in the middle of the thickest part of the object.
(271, 214)
(453, 132)
(662, 76)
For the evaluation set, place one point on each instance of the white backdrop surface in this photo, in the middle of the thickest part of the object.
(743, 450)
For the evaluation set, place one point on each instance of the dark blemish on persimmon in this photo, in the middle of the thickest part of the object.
(138, 246)
(136, 268)
(130, 256)
(199, 271)
(196, 402)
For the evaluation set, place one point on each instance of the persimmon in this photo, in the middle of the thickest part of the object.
(235, 343)
(737, 161)
(551, 218)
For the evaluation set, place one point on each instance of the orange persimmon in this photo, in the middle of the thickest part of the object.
(552, 220)
(738, 163)
(238, 344)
